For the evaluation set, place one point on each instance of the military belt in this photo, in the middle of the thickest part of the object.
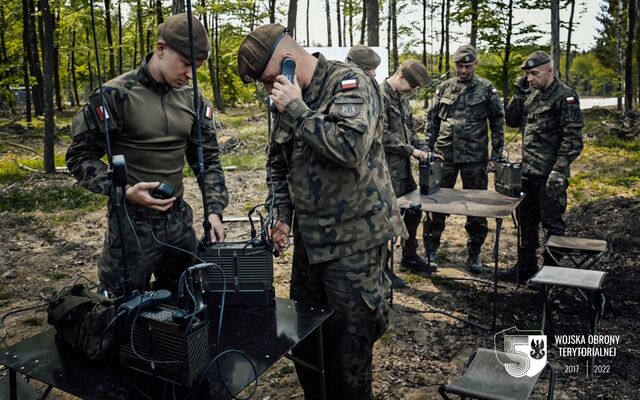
(139, 211)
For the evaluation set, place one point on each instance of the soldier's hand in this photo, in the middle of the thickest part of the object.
(279, 234)
(217, 228)
(284, 92)
(522, 85)
(421, 155)
(140, 194)
(556, 182)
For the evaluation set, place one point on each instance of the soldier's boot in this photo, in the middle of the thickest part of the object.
(417, 264)
(525, 268)
(474, 263)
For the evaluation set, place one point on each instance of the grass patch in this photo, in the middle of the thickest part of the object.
(58, 276)
(4, 297)
(244, 162)
(49, 199)
(607, 167)
(413, 278)
(10, 171)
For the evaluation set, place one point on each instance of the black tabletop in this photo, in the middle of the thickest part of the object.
(475, 203)
(263, 333)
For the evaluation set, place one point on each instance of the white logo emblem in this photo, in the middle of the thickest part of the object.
(525, 352)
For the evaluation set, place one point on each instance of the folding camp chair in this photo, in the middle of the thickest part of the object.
(583, 253)
(487, 379)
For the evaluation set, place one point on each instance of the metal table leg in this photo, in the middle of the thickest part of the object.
(496, 260)
(13, 384)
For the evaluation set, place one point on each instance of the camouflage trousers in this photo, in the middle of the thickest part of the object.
(173, 227)
(352, 287)
(474, 176)
(538, 207)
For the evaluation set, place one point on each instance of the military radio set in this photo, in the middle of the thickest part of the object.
(507, 176)
(430, 175)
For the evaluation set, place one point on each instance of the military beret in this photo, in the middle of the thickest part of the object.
(465, 54)
(536, 59)
(414, 72)
(363, 56)
(175, 31)
(256, 50)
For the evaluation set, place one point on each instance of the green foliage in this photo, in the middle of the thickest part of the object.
(50, 199)
(590, 77)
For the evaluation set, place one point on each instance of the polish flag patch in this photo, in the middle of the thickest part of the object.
(208, 112)
(571, 100)
(349, 84)
(102, 113)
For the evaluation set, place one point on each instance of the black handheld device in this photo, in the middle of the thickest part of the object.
(288, 68)
(164, 191)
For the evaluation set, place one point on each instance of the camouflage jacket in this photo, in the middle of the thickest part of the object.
(399, 140)
(153, 126)
(457, 120)
(550, 122)
(326, 162)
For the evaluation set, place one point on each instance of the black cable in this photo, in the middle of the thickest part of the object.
(5, 334)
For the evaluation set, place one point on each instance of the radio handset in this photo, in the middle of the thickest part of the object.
(288, 69)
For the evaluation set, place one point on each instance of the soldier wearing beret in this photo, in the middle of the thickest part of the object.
(151, 121)
(365, 57)
(548, 114)
(457, 125)
(326, 165)
(401, 143)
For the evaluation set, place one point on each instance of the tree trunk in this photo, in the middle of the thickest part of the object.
(628, 61)
(112, 59)
(344, 22)
(474, 23)
(307, 23)
(363, 27)
(48, 54)
(339, 23)
(507, 54)
(394, 33)
(328, 11)
(86, 31)
(373, 23)
(120, 37)
(567, 64)
(555, 36)
(177, 7)
(389, 27)
(4, 46)
(424, 33)
(272, 11)
(140, 31)
(158, 9)
(292, 16)
(56, 63)
(619, 67)
(218, 90)
(350, 22)
(443, 13)
(72, 62)
(34, 61)
(447, 54)
(638, 47)
(25, 56)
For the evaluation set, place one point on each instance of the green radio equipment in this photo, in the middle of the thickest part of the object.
(430, 175)
(508, 177)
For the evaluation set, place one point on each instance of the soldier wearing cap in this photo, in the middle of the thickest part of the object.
(326, 163)
(401, 143)
(457, 125)
(548, 114)
(365, 57)
(151, 121)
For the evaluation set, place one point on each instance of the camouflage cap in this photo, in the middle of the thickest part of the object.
(536, 59)
(363, 56)
(465, 54)
(175, 31)
(414, 72)
(256, 50)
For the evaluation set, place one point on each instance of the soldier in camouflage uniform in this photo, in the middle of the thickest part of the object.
(364, 57)
(151, 122)
(550, 119)
(457, 125)
(326, 164)
(401, 143)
